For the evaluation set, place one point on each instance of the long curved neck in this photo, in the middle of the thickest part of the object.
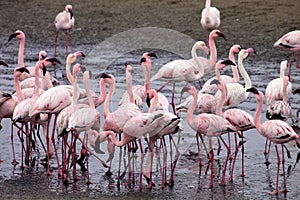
(47, 80)
(102, 96)
(258, 113)
(118, 143)
(190, 111)
(213, 50)
(36, 80)
(21, 52)
(111, 91)
(18, 89)
(154, 103)
(129, 86)
(235, 73)
(147, 66)
(75, 93)
(282, 69)
(88, 91)
(284, 88)
(223, 89)
(207, 4)
(68, 72)
(243, 72)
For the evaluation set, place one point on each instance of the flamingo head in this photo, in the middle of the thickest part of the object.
(217, 33)
(19, 70)
(253, 90)
(42, 55)
(245, 52)
(69, 8)
(236, 48)
(3, 63)
(202, 45)
(18, 34)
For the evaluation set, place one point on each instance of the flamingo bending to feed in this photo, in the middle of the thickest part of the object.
(210, 18)
(236, 93)
(64, 21)
(277, 131)
(291, 42)
(274, 89)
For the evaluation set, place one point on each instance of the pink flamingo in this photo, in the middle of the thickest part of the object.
(210, 125)
(182, 70)
(277, 131)
(236, 93)
(280, 109)
(291, 42)
(212, 88)
(8, 106)
(274, 89)
(210, 18)
(64, 21)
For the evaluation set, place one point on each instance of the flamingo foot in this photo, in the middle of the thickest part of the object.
(138, 188)
(171, 183)
(241, 175)
(108, 173)
(284, 190)
(267, 163)
(14, 162)
(66, 182)
(24, 166)
(49, 173)
(208, 186)
(275, 192)
(89, 182)
(1, 161)
(230, 179)
(223, 183)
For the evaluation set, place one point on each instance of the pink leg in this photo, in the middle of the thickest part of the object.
(67, 42)
(164, 85)
(14, 162)
(171, 180)
(278, 166)
(223, 182)
(141, 166)
(199, 150)
(234, 158)
(283, 171)
(267, 151)
(164, 168)
(243, 156)
(173, 97)
(54, 145)
(55, 43)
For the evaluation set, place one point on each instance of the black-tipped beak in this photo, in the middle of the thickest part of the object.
(3, 63)
(82, 68)
(152, 55)
(23, 69)
(53, 60)
(44, 70)
(222, 35)
(126, 64)
(215, 81)
(103, 75)
(253, 90)
(297, 91)
(13, 36)
(228, 62)
(142, 60)
(71, 13)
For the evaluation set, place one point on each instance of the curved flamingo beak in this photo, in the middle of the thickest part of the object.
(143, 59)
(3, 63)
(23, 69)
(13, 36)
(79, 54)
(253, 90)
(222, 35)
(152, 55)
(53, 60)
(228, 62)
(44, 70)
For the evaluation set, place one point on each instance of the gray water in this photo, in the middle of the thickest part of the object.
(259, 180)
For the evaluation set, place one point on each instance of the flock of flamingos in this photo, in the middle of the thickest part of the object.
(211, 112)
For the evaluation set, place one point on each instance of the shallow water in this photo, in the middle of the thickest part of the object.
(259, 180)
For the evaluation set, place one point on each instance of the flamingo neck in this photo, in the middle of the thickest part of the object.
(147, 71)
(198, 62)
(47, 80)
(21, 52)
(190, 111)
(213, 53)
(235, 73)
(75, 93)
(223, 89)
(207, 4)
(154, 103)
(282, 69)
(88, 91)
(69, 61)
(284, 88)
(36, 80)
(243, 72)
(18, 89)
(102, 96)
(258, 112)
(129, 86)
(111, 91)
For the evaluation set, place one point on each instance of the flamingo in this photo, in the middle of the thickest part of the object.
(211, 125)
(210, 18)
(291, 42)
(236, 93)
(64, 21)
(274, 89)
(7, 107)
(182, 70)
(277, 131)
(280, 109)
(140, 91)
(212, 88)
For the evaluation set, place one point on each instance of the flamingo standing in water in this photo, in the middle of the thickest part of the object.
(277, 131)
(291, 42)
(210, 18)
(236, 93)
(210, 125)
(182, 70)
(7, 107)
(274, 89)
(64, 21)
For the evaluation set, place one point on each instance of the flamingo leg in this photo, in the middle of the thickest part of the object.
(67, 42)
(164, 168)
(283, 171)
(171, 180)
(55, 43)
(199, 151)
(141, 166)
(14, 162)
(278, 166)
(173, 99)
(54, 146)
(223, 182)
(243, 156)
(234, 158)
(267, 151)
(164, 85)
